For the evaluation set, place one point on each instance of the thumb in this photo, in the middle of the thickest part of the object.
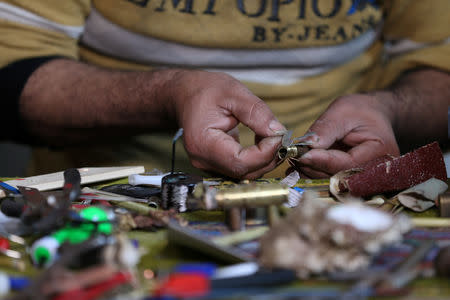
(255, 114)
(327, 132)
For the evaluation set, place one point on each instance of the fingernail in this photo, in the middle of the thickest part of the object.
(311, 139)
(315, 138)
(275, 126)
(306, 156)
(274, 140)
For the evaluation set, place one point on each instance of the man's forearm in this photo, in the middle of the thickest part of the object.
(419, 115)
(67, 101)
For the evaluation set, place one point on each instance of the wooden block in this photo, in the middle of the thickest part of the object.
(88, 175)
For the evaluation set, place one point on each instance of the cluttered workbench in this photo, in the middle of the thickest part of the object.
(120, 233)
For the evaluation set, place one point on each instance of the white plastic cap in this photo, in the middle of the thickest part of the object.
(137, 179)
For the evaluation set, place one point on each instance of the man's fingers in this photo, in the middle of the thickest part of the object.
(234, 133)
(372, 149)
(325, 161)
(259, 173)
(226, 156)
(326, 133)
(263, 170)
(306, 172)
(254, 113)
(332, 161)
(259, 159)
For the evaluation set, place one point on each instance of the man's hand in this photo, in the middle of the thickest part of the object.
(353, 130)
(209, 106)
(359, 128)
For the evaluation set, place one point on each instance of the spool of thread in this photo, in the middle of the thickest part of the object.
(444, 205)
(176, 188)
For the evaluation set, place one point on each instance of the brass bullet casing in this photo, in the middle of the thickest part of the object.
(293, 151)
(246, 195)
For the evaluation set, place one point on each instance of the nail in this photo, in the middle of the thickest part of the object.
(315, 138)
(276, 126)
(306, 156)
(274, 140)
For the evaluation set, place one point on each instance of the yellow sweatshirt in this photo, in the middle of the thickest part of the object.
(297, 55)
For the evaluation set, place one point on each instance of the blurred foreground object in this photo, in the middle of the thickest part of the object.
(89, 222)
(442, 262)
(87, 270)
(319, 238)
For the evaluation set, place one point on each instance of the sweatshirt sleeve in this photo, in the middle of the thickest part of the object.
(33, 33)
(416, 34)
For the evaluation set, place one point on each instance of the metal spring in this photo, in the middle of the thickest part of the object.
(175, 190)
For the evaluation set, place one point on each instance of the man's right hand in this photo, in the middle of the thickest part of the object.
(209, 106)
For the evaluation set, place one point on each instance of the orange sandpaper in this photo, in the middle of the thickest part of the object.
(390, 174)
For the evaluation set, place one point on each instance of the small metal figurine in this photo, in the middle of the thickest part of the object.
(294, 148)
